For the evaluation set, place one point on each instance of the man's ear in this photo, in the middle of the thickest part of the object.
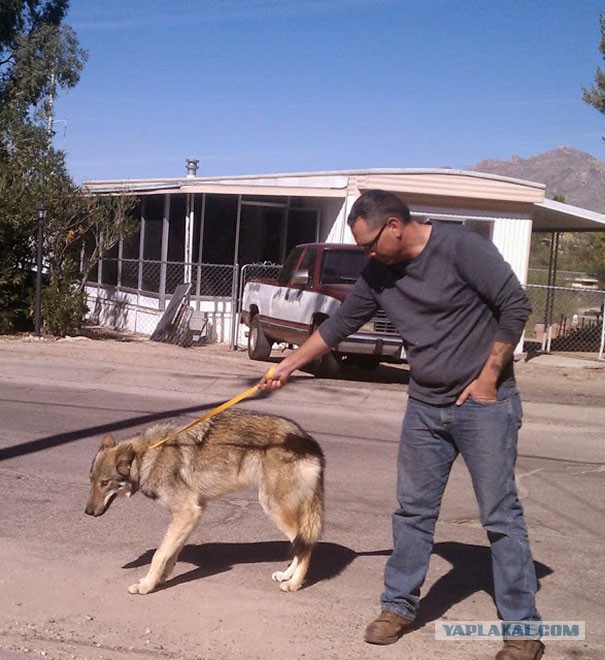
(124, 460)
(108, 442)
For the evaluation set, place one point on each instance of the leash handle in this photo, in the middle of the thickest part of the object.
(213, 412)
(269, 374)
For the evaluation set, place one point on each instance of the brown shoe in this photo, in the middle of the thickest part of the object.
(387, 628)
(521, 649)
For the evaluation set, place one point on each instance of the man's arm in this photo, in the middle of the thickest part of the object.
(485, 270)
(485, 387)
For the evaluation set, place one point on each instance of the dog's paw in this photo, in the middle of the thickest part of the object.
(140, 588)
(286, 583)
(289, 585)
(280, 576)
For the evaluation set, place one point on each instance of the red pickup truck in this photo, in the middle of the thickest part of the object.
(313, 282)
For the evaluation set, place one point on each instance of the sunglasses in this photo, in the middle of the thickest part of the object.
(370, 247)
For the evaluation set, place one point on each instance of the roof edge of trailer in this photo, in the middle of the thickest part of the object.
(337, 179)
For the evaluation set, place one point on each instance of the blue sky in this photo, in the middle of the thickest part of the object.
(267, 86)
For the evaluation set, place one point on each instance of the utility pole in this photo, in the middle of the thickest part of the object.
(51, 111)
(38, 307)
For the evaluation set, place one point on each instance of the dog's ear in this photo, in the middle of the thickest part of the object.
(108, 442)
(124, 460)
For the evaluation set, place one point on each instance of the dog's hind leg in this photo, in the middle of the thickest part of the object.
(284, 576)
(295, 502)
(297, 570)
(285, 522)
(182, 524)
(292, 578)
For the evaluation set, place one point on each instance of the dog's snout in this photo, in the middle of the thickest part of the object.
(93, 509)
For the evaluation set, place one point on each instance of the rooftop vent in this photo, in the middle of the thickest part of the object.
(192, 164)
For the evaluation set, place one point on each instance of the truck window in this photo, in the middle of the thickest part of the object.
(342, 267)
(285, 274)
(308, 262)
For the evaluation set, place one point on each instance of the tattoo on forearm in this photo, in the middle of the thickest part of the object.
(499, 357)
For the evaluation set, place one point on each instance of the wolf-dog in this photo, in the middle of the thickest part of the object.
(226, 453)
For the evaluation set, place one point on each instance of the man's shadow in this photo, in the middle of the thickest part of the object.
(470, 570)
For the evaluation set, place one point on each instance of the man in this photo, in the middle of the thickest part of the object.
(461, 311)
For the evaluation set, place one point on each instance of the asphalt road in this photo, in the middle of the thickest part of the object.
(64, 576)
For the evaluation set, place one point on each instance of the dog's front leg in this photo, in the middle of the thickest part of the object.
(182, 524)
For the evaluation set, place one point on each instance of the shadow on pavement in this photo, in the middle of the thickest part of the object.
(470, 572)
(328, 560)
(51, 441)
(383, 374)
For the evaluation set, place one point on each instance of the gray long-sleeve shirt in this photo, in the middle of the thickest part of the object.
(449, 304)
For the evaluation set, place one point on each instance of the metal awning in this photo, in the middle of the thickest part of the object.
(551, 216)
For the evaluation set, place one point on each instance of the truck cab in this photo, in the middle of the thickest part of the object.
(312, 284)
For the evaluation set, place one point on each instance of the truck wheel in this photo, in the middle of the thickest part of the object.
(368, 362)
(259, 346)
(327, 366)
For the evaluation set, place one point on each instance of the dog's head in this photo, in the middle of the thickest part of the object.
(110, 475)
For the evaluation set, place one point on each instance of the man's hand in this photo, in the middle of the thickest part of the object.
(275, 378)
(278, 376)
(484, 387)
(480, 391)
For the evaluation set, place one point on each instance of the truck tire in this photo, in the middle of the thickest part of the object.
(259, 346)
(327, 366)
(366, 362)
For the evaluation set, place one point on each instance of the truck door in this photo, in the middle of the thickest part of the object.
(277, 303)
(287, 301)
(297, 294)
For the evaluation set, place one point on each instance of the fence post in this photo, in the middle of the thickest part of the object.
(550, 292)
(234, 307)
(602, 329)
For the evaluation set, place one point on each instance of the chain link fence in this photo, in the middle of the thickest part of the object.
(565, 319)
(162, 277)
(257, 271)
(134, 294)
(564, 278)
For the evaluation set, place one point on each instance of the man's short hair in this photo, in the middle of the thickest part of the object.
(376, 206)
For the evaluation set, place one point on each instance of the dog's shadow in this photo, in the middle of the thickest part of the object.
(328, 560)
(470, 570)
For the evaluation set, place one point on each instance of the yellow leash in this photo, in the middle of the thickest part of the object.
(212, 413)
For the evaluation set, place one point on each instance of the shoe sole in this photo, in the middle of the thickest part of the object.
(539, 654)
(382, 641)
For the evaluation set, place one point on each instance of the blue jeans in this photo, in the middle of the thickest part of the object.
(431, 438)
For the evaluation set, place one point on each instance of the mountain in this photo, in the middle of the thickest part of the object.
(575, 175)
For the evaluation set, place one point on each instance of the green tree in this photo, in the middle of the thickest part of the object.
(595, 96)
(80, 230)
(590, 248)
(39, 57)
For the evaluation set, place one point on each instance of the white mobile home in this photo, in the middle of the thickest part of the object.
(205, 230)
